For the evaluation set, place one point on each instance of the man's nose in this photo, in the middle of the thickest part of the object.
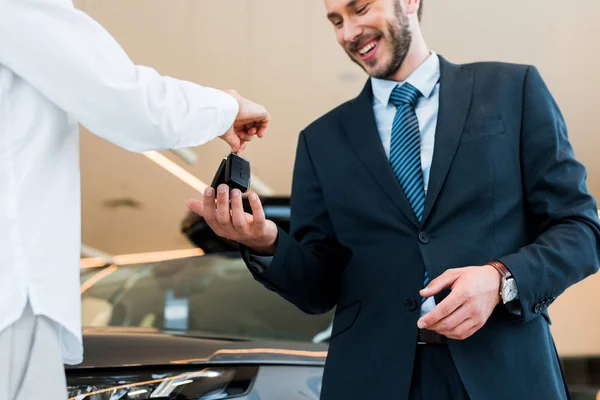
(352, 32)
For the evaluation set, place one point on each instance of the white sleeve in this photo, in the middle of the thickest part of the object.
(80, 67)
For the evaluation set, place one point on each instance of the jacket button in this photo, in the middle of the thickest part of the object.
(423, 237)
(410, 304)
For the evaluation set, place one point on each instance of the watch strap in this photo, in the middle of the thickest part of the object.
(501, 268)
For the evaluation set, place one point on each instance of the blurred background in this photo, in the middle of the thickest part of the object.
(283, 54)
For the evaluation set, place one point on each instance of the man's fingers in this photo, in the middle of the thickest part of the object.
(234, 145)
(261, 132)
(232, 139)
(246, 136)
(447, 324)
(208, 207)
(238, 216)
(223, 212)
(440, 311)
(443, 281)
(264, 126)
(471, 331)
(257, 211)
(463, 330)
(250, 125)
(195, 206)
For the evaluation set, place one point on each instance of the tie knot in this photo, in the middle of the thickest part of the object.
(405, 94)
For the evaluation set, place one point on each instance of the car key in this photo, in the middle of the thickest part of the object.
(234, 171)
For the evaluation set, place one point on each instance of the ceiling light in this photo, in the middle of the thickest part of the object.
(188, 155)
(141, 258)
(176, 170)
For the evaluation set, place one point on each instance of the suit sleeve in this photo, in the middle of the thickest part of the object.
(308, 260)
(565, 249)
(73, 61)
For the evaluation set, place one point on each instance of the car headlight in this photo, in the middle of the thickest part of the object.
(128, 384)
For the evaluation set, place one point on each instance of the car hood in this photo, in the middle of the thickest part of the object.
(130, 347)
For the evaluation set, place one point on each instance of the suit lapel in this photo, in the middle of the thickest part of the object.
(361, 131)
(456, 86)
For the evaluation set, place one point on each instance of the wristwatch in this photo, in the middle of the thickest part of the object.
(508, 288)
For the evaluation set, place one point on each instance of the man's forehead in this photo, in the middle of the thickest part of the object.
(335, 6)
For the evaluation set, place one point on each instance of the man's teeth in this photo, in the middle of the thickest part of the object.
(368, 47)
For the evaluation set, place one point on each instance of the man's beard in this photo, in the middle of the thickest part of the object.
(399, 38)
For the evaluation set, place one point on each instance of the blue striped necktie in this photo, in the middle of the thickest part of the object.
(405, 150)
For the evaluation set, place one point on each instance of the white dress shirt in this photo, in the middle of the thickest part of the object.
(58, 68)
(426, 79)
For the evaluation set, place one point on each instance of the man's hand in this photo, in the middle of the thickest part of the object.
(475, 291)
(252, 230)
(252, 120)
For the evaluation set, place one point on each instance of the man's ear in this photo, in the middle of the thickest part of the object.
(411, 6)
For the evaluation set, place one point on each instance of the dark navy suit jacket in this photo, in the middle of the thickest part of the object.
(504, 185)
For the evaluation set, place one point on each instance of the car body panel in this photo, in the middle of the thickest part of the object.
(127, 347)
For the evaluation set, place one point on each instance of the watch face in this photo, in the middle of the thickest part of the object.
(509, 290)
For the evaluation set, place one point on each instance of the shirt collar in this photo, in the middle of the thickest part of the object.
(424, 78)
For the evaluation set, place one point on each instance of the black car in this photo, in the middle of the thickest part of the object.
(138, 363)
(194, 328)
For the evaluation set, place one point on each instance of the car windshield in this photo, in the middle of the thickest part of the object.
(209, 295)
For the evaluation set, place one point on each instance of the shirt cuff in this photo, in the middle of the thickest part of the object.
(256, 262)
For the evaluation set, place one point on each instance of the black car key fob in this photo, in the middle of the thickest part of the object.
(234, 171)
